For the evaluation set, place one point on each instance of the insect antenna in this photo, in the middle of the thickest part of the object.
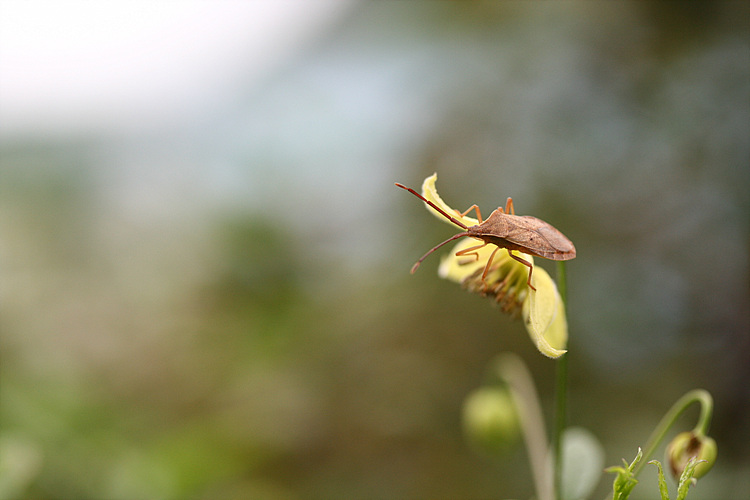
(440, 210)
(454, 237)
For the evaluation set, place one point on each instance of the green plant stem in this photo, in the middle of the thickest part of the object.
(513, 371)
(561, 393)
(704, 420)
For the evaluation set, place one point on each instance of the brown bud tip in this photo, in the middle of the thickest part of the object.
(687, 445)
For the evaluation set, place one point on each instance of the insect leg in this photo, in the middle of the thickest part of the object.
(471, 251)
(525, 263)
(476, 208)
(487, 267)
(509, 207)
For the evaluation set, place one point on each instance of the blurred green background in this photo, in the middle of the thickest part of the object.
(205, 293)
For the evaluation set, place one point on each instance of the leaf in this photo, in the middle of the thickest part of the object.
(662, 482)
(686, 478)
(583, 459)
(625, 481)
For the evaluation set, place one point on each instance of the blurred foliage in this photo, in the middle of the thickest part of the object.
(157, 343)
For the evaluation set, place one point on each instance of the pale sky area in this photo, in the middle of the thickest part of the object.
(82, 65)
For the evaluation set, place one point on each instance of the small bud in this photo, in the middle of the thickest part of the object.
(490, 419)
(687, 445)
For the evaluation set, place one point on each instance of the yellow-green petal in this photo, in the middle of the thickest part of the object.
(544, 316)
(430, 192)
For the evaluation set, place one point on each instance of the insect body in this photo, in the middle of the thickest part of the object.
(505, 229)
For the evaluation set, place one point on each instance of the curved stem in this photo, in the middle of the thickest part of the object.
(704, 420)
(707, 406)
(561, 392)
(514, 372)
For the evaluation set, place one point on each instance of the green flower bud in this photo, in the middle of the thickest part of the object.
(490, 419)
(687, 445)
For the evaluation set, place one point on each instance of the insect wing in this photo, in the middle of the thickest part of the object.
(541, 239)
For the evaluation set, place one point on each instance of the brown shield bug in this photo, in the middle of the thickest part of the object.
(505, 229)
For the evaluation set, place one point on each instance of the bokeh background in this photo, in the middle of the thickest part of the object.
(204, 286)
